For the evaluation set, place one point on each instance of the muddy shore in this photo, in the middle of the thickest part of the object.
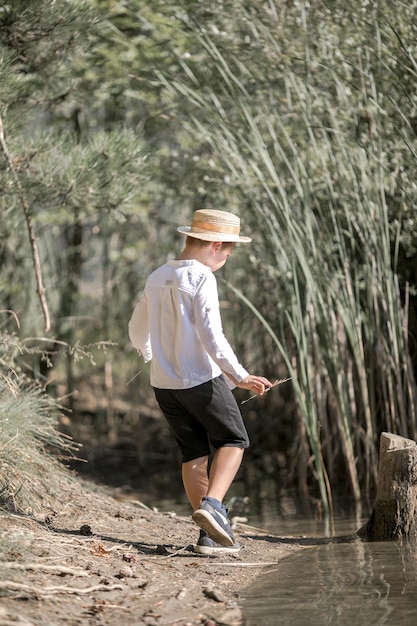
(94, 560)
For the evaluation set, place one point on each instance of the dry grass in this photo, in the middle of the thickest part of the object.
(32, 477)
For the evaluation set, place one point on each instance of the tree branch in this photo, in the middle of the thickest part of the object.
(32, 237)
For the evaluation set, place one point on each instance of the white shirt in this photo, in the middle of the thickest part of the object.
(177, 326)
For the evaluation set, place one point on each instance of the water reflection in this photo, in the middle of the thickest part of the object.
(339, 584)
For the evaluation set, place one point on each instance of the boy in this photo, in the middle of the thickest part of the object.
(177, 325)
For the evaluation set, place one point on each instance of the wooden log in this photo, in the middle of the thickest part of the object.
(395, 512)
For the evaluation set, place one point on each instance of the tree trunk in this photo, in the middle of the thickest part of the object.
(395, 511)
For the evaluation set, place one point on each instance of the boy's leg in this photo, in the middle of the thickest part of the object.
(202, 417)
(224, 467)
(211, 515)
(195, 480)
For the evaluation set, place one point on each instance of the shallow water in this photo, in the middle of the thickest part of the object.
(336, 580)
(342, 582)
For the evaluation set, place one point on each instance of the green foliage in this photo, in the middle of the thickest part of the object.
(78, 183)
(313, 133)
(39, 40)
(122, 117)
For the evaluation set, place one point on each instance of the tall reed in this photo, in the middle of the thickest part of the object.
(306, 154)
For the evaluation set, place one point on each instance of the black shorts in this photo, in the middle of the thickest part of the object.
(203, 416)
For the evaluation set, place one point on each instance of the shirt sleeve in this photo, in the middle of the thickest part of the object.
(209, 326)
(139, 329)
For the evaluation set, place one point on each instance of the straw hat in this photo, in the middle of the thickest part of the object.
(212, 225)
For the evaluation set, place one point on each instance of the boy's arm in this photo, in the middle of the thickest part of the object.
(139, 329)
(209, 324)
(210, 330)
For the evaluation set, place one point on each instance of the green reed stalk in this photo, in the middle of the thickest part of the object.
(309, 163)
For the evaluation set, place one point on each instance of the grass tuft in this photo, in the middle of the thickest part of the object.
(31, 449)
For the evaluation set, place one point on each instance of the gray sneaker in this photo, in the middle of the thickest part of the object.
(205, 545)
(214, 521)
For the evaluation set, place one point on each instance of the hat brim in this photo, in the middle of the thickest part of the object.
(186, 230)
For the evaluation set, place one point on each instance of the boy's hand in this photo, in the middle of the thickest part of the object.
(258, 384)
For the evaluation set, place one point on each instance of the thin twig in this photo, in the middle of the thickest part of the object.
(180, 551)
(56, 569)
(255, 564)
(253, 528)
(112, 606)
(11, 585)
(32, 237)
(133, 377)
(12, 313)
(274, 384)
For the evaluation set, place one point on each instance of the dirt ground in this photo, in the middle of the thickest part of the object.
(94, 560)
